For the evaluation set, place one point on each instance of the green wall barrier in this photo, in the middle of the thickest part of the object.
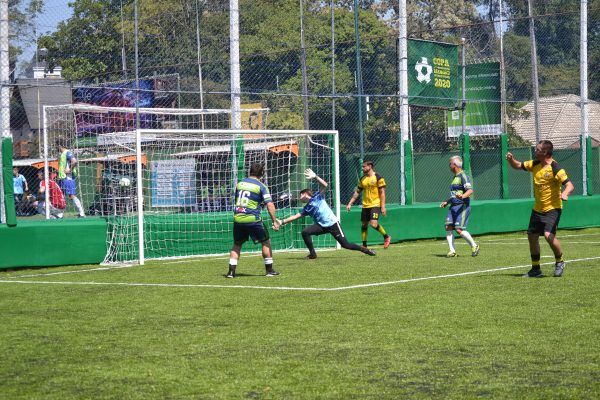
(9, 199)
(44, 243)
(83, 241)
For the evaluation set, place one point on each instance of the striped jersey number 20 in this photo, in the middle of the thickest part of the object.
(243, 198)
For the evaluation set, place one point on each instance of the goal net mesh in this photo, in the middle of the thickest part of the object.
(188, 177)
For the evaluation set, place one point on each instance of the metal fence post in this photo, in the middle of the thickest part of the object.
(504, 166)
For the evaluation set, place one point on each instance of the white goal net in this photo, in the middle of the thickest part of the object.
(178, 180)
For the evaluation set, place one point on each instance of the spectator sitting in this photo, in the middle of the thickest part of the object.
(57, 200)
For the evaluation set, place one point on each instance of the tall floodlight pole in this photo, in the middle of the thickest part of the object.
(234, 63)
(4, 94)
(138, 139)
(403, 92)
(333, 64)
(359, 84)
(303, 66)
(464, 88)
(502, 72)
(534, 73)
(123, 54)
(199, 57)
(583, 65)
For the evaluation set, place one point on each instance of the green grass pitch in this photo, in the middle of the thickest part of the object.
(408, 323)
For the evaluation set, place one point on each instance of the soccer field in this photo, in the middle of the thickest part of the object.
(408, 323)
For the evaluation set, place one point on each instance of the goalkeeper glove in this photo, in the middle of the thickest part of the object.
(309, 173)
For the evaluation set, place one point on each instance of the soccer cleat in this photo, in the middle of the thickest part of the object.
(311, 256)
(386, 242)
(272, 272)
(451, 254)
(367, 251)
(475, 250)
(559, 268)
(534, 273)
(230, 274)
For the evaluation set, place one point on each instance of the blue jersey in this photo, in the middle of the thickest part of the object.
(18, 184)
(250, 196)
(320, 212)
(460, 184)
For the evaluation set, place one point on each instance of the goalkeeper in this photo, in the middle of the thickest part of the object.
(325, 219)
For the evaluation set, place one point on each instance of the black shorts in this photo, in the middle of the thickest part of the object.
(544, 222)
(371, 213)
(254, 230)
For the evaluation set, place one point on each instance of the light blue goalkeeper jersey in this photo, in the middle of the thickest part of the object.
(320, 211)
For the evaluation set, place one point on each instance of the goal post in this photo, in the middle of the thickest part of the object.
(185, 202)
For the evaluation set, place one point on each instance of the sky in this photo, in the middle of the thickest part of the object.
(54, 12)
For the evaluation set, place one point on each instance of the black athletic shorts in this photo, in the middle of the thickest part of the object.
(544, 222)
(369, 214)
(255, 230)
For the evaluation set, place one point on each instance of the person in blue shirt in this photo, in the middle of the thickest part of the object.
(19, 188)
(250, 196)
(460, 207)
(324, 218)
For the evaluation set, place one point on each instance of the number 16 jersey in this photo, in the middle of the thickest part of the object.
(250, 196)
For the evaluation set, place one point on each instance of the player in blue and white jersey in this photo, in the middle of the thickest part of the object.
(460, 207)
(250, 196)
(325, 219)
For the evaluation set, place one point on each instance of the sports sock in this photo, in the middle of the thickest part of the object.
(268, 263)
(363, 234)
(78, 205)
(535, 261)
(381, 230)
(232, 264)
(450, 239)
(467, 236)
(559, 258)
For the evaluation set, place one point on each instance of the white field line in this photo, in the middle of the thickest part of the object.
(72, 272)
(559, 236)
(248, 255)
(286, 288)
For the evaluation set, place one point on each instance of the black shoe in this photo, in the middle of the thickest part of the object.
(311, 256)
(559, 268)
(534, 273)
(367, 251)
(272, 273)
(230, 274)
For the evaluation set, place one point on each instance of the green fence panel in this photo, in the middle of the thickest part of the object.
(570, 160)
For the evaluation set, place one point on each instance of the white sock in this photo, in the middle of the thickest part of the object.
(233, 262)
(78, 205)
(467, 236)
(450, 239)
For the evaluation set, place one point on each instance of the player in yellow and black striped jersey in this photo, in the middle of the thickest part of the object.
(372, 187)
(548, 178)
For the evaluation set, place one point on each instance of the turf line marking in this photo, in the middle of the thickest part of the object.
(284, 288)
(524, 238)
(72, 272)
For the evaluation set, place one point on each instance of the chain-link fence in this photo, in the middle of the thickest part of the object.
(345, 77)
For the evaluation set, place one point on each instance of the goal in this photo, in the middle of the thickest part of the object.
(168, 192)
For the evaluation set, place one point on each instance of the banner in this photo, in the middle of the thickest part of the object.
(116, 95)
(173, 182)
(433, 79)
(483, 110)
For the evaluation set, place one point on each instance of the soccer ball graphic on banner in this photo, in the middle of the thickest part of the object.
(125, 182)
(424, 70)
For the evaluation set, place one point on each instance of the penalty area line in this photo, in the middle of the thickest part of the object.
(287, 288)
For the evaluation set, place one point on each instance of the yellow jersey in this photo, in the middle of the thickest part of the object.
(370, 186)
(547, 182)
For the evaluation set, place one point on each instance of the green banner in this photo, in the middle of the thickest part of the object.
(482, 84)
(433, 79)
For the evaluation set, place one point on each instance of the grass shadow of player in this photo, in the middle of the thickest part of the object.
(238, 275)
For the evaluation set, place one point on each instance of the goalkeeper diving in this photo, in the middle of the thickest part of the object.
(324, 218)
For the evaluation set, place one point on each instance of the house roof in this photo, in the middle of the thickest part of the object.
(560, 121)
